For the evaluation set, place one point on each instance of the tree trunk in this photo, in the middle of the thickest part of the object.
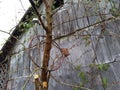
(46, 57)
(48, 41)
(47, 48)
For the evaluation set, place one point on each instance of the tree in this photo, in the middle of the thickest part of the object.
(47, 47)
(45, 74)
(45, 71)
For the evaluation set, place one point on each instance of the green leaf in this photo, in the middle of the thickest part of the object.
(100, 67)
(81, 84)
(86, 37)
(103, 67)
(26, 25)
(92, 65)
(82, 76)
(106, 67)
(78, 67)
(115, 11)
(75, 88)
(104, 82)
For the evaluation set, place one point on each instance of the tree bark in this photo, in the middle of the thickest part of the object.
(48, 41)
(46, 57)
(47, 48)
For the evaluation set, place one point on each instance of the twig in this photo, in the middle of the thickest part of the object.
(22, 5)
(38, 14)
(70, 85)
(23, 88)
(13, 37)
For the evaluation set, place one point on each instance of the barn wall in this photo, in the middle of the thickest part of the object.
(70, 29)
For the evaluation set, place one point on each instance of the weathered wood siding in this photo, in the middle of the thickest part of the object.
(69, 31)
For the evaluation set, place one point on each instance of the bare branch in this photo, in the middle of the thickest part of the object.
(13, 37)
(70, 85)
(38, 14)
(22, 5)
